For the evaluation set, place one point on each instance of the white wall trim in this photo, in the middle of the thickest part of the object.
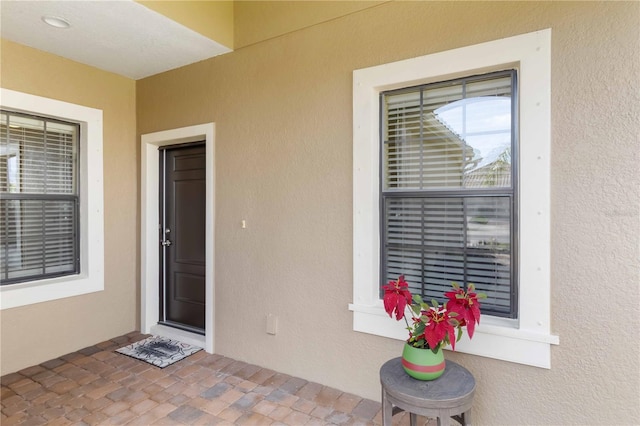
(149, 275)
(528, 339)
(91, 277)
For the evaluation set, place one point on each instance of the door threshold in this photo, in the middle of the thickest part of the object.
(184, 336)
(184, 327)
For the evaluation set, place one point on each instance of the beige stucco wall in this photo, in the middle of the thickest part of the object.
(37, 333)
(255, 21)
(283, 117)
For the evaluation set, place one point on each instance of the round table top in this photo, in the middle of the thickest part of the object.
(455, 383)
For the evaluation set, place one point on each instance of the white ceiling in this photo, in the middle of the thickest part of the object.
(120, 36)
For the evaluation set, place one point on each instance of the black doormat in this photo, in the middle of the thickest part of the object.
(159, 351)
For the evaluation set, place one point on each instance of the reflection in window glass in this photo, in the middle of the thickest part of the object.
(457, 135)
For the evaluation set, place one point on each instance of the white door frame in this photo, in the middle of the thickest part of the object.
(149, 242)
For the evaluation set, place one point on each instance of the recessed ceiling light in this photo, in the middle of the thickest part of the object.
(56, 21)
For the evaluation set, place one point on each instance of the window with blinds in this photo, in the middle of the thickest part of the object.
(39, 198)
(448, 188)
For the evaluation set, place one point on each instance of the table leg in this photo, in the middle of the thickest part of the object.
(444, 419)
(387, 410)
(466, 418)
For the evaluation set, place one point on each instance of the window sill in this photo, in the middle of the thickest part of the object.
(495, 338)
(15, 295)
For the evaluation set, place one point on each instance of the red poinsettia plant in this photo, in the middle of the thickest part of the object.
(434, 325)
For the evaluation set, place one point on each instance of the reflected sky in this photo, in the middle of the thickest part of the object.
(484, 123)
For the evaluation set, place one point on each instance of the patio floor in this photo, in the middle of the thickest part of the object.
(95, 385)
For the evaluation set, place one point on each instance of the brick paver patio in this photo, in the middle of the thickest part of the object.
(95, 385)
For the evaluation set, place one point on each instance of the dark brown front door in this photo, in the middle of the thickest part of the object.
(182, 236)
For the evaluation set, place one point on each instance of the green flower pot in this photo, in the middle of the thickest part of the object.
(422, 364)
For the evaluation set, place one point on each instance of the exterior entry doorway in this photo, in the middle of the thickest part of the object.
(182, 236)
(152, 236)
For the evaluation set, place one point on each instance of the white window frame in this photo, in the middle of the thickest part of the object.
(528, 339)
(91, 276)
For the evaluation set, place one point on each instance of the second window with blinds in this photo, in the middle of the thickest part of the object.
(39, 205)
(448, 194)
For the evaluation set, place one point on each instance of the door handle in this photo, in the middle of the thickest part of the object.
(166, 243)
